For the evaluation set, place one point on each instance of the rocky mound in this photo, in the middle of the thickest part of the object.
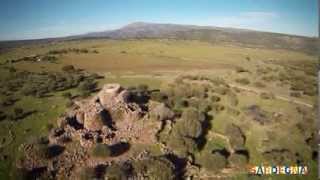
(111, 117)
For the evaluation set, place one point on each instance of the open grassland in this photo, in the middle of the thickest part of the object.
(271, 80)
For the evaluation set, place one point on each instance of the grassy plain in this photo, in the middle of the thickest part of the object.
(157, 61)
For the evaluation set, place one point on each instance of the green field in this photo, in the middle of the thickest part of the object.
(156, 63)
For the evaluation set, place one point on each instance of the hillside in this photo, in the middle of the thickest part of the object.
(217, 35)
(248, 38)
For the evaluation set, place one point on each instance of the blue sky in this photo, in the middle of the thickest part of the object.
(30, 19)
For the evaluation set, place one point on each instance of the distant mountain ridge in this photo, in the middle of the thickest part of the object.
(242, 37)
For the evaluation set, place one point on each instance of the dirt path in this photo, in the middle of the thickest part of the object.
(258, 91)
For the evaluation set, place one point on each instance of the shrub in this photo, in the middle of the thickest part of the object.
(189, 127)
(295, 94)
(116, 172)
(197, 91)
(218, 108)
(88, 86)
(269, 78)
(193, 114)
(142, 87)
(241, 70)
(200, 105)
(67, 95)
(154, 168)
(259, 84)
(236, 136)
(243, 81)
(8, 101)
(2, 116)
(158, 96)
(279, 156)
(181, 145)
(215, 98)
(238, 160)
(266, 95)
(96, 76)
(233, 99)
(101, 150)
(68, 68)
(212, 161)
(17, 113)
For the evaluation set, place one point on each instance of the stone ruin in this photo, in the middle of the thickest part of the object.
(109, 118)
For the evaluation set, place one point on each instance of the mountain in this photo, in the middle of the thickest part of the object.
(242, 37)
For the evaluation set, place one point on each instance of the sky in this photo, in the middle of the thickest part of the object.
(34, 19)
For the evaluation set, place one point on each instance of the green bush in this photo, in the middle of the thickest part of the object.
(295, 94)
(88, 86)
(67, 95)
(189, 128)
(158, 96)
(233, 99)
(2, 116)
(116, 172)
(279, 156)
(212, 161)
(266, 95)
(241, 70)
(243, 81)
(18, 113)
(158, 168)
(192, 114)
(8, 101)
(181, 145)
(238, 160)
(215, 98)
(218, 108)
(142, 87)
(68, 68)
(270, 78)
(259, 84)
(101, 150)
(236, 136)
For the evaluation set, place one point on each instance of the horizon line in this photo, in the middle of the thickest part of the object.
(182, 24)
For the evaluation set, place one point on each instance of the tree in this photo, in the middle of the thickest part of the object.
(181, 145)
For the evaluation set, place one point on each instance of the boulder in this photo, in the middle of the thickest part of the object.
(94, 118)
